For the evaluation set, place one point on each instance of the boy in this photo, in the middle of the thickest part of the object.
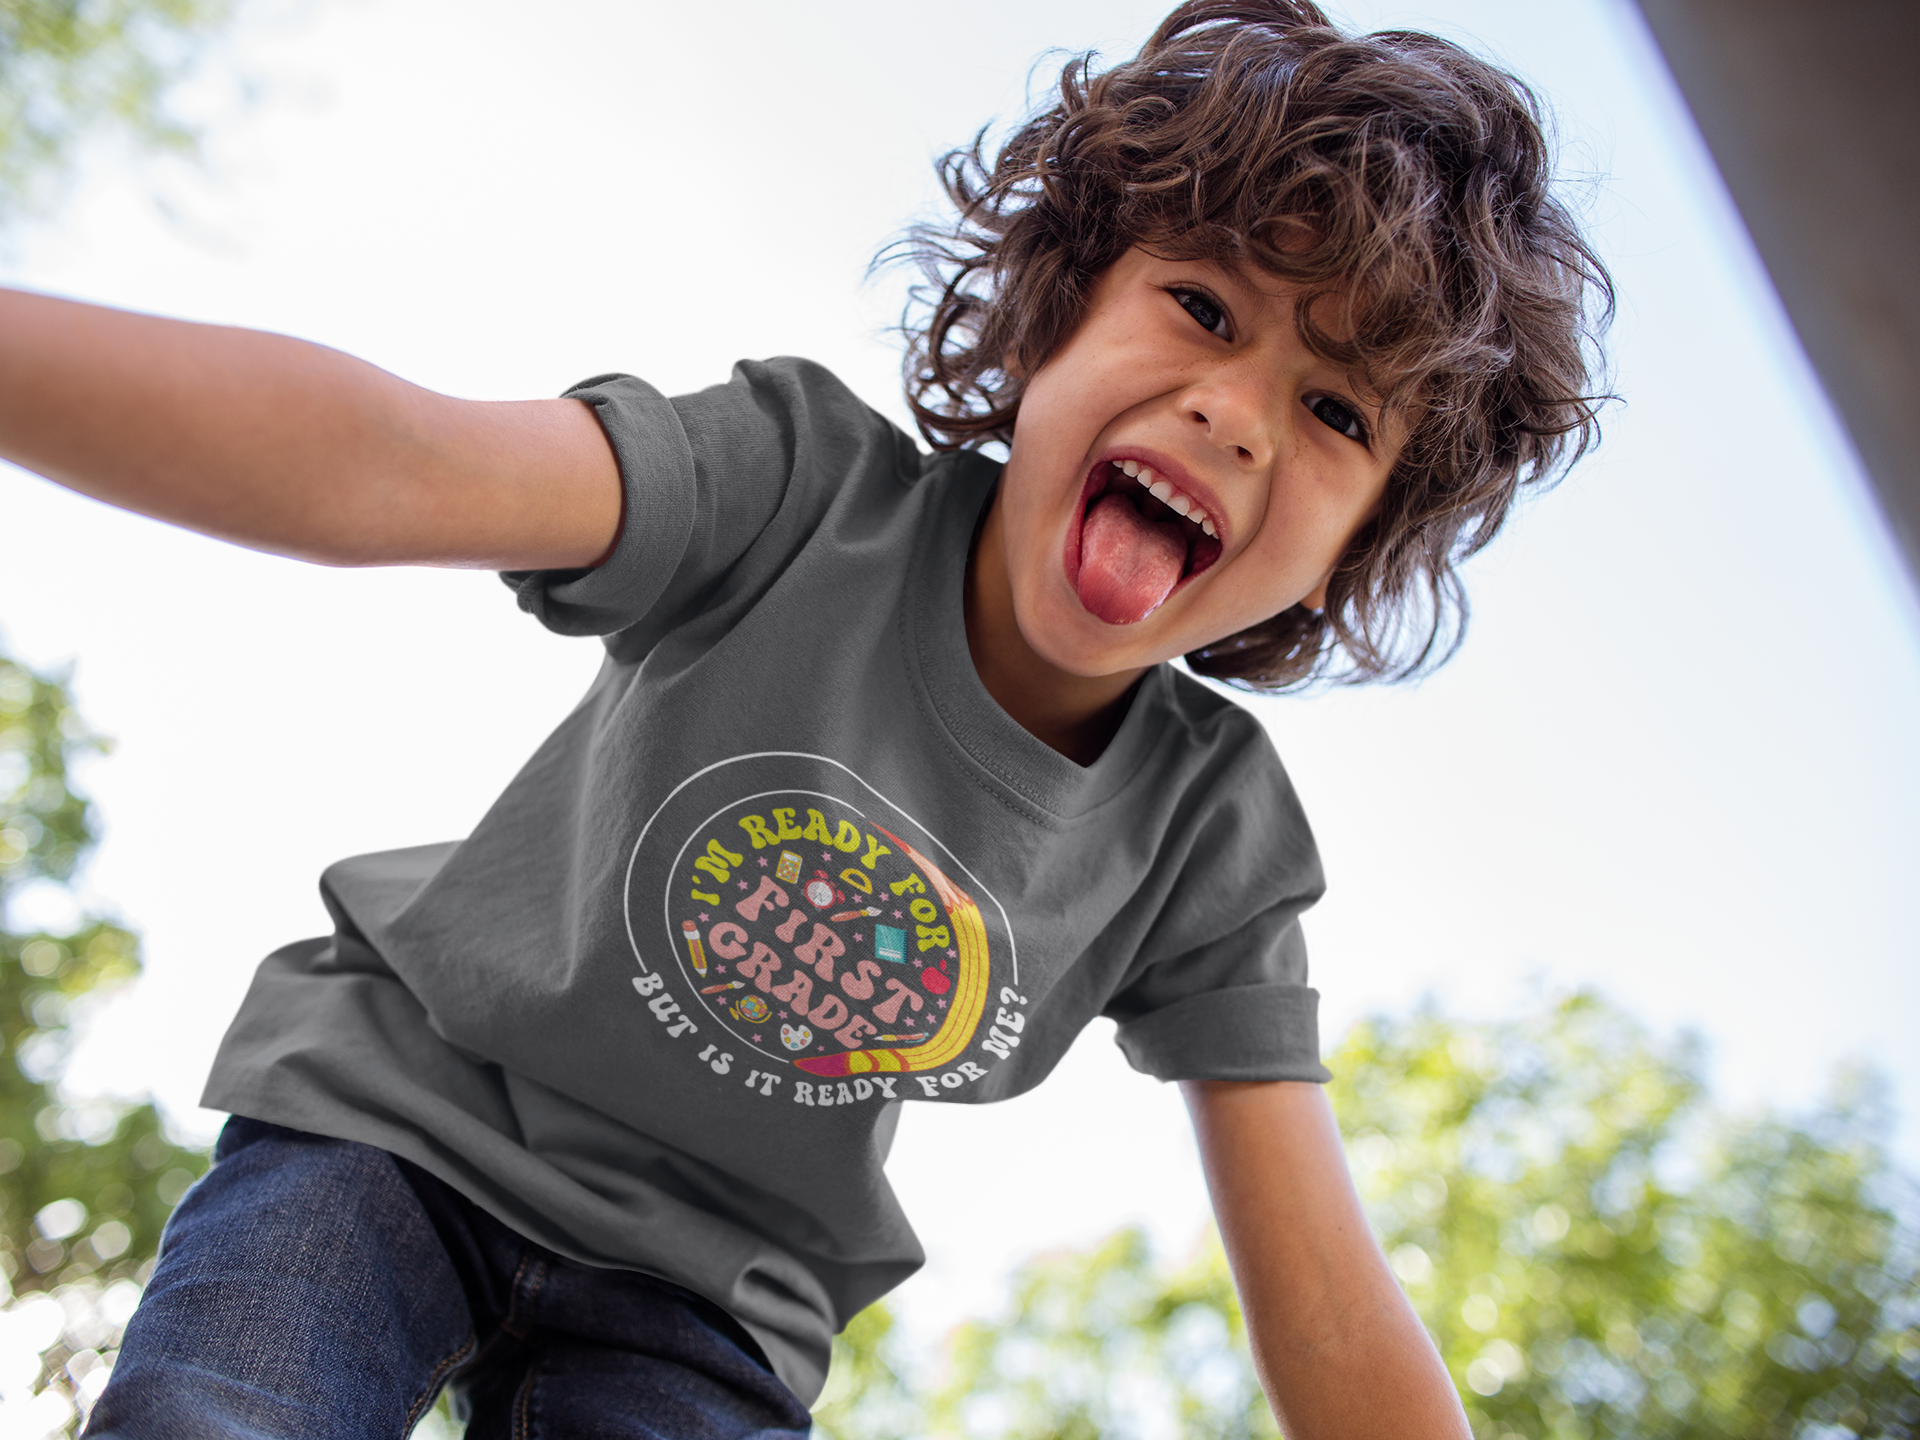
(885, 788)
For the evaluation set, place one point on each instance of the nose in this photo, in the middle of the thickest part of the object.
(1232, 405)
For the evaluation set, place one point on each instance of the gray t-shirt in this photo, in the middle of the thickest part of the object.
(785, 866)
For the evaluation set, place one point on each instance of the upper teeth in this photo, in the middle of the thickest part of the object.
(1162, 490)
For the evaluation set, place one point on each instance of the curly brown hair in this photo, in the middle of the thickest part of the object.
(1393, 175)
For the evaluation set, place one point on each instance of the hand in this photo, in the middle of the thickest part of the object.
(296, 449)
(1337, 1346)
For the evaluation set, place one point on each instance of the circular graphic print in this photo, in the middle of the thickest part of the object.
(819, 937)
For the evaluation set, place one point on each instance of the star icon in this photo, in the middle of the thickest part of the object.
(827, 855)
(704, 917)
(898, 915)
(743, 884)
(763, 862)
(954, 954)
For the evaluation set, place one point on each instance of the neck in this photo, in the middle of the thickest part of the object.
(1076, 715)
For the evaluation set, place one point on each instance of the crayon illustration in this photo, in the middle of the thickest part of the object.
(968, 984)
(694, 947)
(801, 947)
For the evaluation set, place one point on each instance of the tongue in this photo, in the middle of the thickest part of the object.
(1128, 564)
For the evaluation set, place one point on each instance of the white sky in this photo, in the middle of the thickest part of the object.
(1675, 761)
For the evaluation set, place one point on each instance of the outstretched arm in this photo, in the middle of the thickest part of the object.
(297, 449)
(1338, 1348)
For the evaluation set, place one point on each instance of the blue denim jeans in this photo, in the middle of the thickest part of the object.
(313, 1288)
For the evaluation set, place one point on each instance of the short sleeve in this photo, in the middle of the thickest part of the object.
(1217, 989)
(657, 475)
(1236, 1008)
(705, 477)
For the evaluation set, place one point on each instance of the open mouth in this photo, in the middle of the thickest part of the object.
(1138, 539)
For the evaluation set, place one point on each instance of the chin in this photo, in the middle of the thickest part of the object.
(1072, 640)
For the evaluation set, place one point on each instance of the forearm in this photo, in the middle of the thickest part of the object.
(1339, 1349)
(294, 448)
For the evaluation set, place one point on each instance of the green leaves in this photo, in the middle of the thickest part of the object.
(1101, 1343)
(85, 1185)
(1599, 1254)
(44, 826)
(69, 68)
(1596, 1250)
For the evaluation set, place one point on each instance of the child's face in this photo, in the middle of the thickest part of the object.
(1198, 374)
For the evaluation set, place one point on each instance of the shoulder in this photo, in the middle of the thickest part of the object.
(767, 417)
(1205, 711)
(799, 408)
(1235, 808)
(1219, 728)
(749, 467)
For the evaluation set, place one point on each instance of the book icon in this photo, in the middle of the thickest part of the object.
(890, 943)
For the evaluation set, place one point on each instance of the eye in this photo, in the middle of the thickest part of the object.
(1211, 315)
(1336, 414)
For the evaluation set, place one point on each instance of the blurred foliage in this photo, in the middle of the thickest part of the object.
(85, 1186)
(1599, 1254)
(871, 1392)
(73, 68)
(1597, 1251)
(1105, 1343)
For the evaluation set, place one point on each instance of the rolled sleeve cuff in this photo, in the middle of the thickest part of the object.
(657, 476)
(1247, 1032)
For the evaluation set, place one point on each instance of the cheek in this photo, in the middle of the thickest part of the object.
(1303, 531)
(1024, 505)
(1027, 531)
(1334, 501)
